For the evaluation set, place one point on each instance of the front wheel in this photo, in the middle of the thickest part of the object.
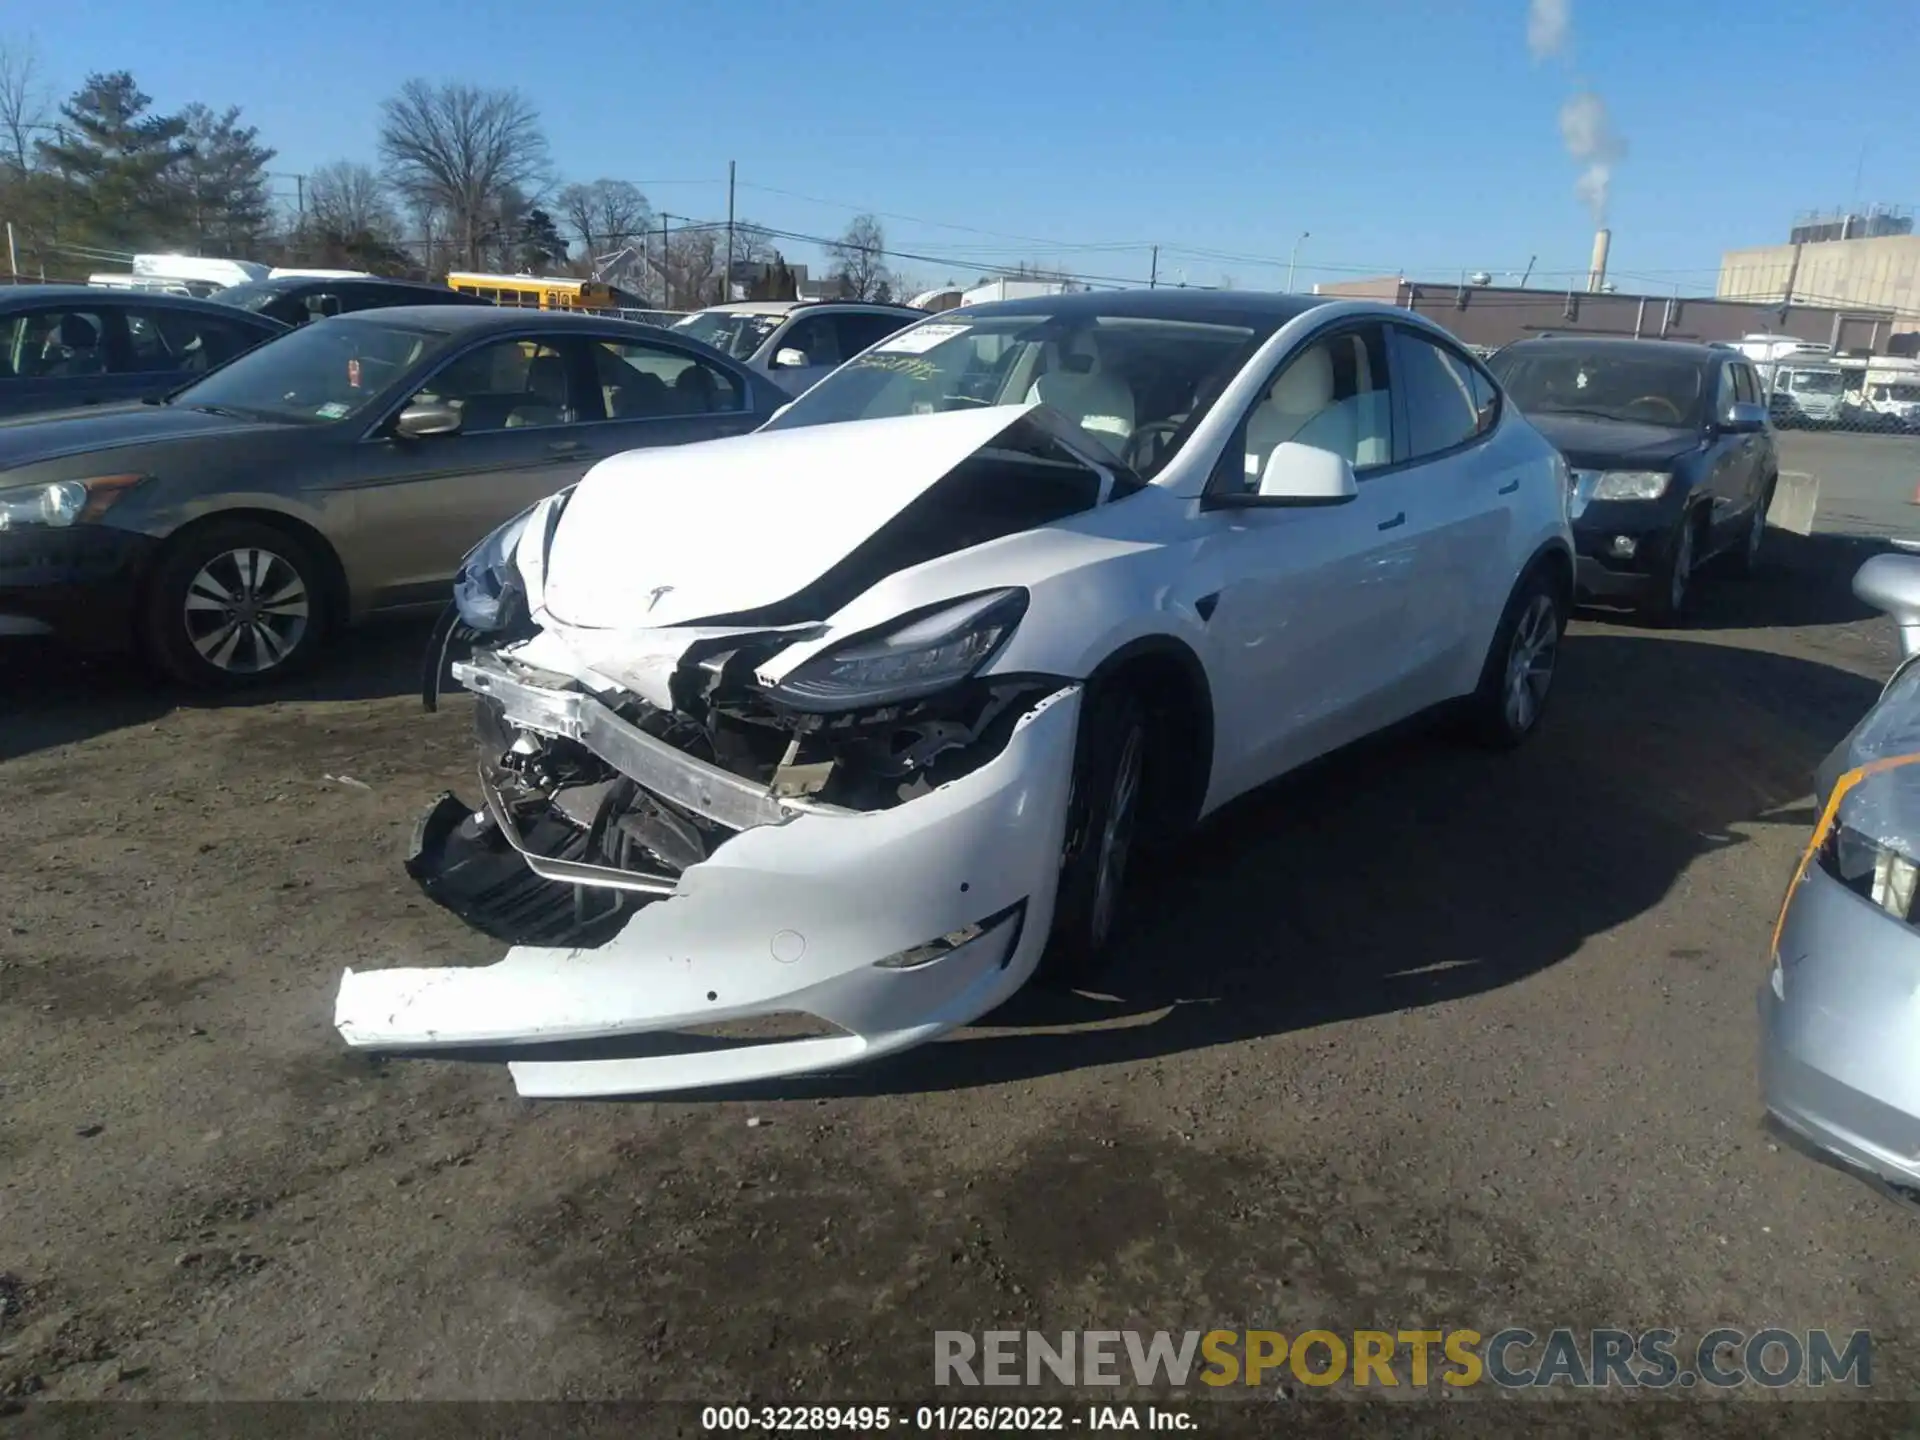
(235, 603)
(1517, 676)
(1102, 818)
(1668, 606)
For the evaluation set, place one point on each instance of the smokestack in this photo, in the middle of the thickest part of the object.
(1597, 276)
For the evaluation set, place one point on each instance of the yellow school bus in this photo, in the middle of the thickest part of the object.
(544, 292)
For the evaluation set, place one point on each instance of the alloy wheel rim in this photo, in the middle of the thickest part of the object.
(1116, 837)
(1530, 662)
(1682, 566)
(246, 611)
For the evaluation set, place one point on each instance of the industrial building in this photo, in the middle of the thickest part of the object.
(1865, 258)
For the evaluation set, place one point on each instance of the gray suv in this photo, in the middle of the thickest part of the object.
(796, 342)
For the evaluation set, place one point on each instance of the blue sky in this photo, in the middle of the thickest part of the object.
(1401, 134)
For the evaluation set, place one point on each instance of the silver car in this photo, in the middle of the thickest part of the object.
(1840, 1012)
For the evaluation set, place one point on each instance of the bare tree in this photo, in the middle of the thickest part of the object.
(605, 215)
(859, 260)
(25, 102)
(347, 198)
(461, 149)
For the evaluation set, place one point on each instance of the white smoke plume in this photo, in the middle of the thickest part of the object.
(1585, 127)
(1549, 26)
(1591, 139)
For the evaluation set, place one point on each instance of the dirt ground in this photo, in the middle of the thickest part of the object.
(1421, 1039)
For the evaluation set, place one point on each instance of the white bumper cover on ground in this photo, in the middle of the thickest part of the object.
(780, 919)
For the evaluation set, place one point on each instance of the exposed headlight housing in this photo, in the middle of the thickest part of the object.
(1873, 869)
(488, 585)
(63, 503)
(1631, 484)
(918, 655)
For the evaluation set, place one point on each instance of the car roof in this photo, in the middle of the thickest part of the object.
(285, 283)
(106, 296)
(787, 307)
(1258, 309)
(1628, 345)
(467, 319)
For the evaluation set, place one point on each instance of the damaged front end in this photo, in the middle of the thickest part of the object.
(739, 820)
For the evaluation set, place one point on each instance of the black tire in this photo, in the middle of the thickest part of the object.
(1746, 560)
(1505, 708)
(1671, 603)
(234, 604)
(1102, 821)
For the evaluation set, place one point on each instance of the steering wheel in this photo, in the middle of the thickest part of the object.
(1146, 440)
(1673, 410)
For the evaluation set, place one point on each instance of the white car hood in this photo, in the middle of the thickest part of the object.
(665, 536)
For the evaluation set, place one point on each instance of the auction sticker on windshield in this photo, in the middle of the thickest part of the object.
(920, 339)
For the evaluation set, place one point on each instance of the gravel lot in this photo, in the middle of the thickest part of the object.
(1422, 1038)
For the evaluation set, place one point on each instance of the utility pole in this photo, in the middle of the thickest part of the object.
(666, 264)
(1291, 259)
(726, 278)
(13, 255)
(300, 198)
(1153, 275)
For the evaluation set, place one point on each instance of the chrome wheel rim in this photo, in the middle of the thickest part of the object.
(1682, 567)
(1530, 660)
(1116, 837)
(246, 611)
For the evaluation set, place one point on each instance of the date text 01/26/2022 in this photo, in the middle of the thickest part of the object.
(939, 1419)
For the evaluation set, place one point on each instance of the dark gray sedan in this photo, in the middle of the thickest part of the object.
(343, 469)
(65, 346)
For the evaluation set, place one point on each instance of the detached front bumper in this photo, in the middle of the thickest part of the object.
(887, 927)
(1840, 1031)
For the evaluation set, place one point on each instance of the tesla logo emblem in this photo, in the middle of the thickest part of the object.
(653, 596)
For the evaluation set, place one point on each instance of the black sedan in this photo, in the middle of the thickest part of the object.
(1672, 455)
(66, 346)
(296, 299)
(343, 470)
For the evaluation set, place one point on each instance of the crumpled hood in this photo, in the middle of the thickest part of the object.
(666, 536)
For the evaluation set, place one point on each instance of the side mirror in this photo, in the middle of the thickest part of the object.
(1891, 584)
(1297, 474)
(426, 417)
(1744, 415)
(790, 359)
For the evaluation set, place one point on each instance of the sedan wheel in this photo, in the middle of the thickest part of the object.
(1116, 838)
(1110, 773)
(235, 603)
(246, 611)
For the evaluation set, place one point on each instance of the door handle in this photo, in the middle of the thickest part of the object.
(1510, 487)
(1397, 520)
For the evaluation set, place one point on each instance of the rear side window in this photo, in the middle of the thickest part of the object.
(53, 345)
(176, 341)
(1447, 402)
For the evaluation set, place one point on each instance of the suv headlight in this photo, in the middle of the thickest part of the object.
(488, 584)
(1632, 485)
(63, 503)
(917, 655)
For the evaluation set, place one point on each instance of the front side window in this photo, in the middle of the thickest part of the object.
(1437, 388)
(858, 331)
(178, 341)
(1744, 389)
(1605, 384)
(1139, 386)
(318, 374)
(1332, 395)
(648, 382)
(818, 338)
(506, 385)
(54, 344)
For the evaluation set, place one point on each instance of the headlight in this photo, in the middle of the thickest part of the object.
(488, 583)
(1632, 485)
(920, 655)
(1875, 870)
(63, 503)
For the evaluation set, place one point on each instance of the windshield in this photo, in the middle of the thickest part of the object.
(1905, 394)
(1138, 386)
(729, 331)
(255, 295)
(1816, 382)
(1649, 388)
(319, 374)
